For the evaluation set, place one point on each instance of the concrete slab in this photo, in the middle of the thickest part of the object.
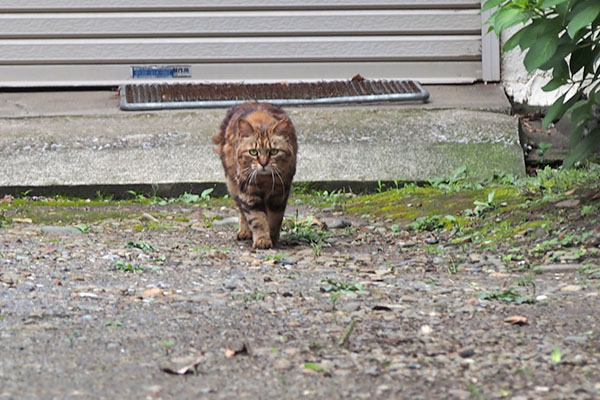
(82, 139)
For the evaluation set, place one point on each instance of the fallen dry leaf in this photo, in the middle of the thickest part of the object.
(516, 320)
(22, 220)
(152, 292)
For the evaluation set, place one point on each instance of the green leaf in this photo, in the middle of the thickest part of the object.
(558, 109)
(507, 17)
(584, 148)
(556, 355)
(581, 57)
(560, 76)
(563, 50)
(580, 112)
(491, 4)
(553, 84)
(524, 38)
(582, 15)
(541, 51)
(515, 39)
(539, 27)
(313, 366)
(551, 3)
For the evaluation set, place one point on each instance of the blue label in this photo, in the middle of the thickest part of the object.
(161, 71)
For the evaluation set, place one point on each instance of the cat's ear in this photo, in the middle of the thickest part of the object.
(244, 128)
(283, 127)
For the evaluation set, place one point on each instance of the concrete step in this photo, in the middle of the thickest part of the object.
(81, 139)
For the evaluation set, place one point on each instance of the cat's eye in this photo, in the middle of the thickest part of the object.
(253, 152)
(274, 151)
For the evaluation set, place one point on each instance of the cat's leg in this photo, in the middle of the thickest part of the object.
(274, 218)
(244, 232)
(253, 210)
(257, 221)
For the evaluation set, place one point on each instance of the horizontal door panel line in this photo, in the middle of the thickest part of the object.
(151, 5)
(244, 40)
(282, 60)
(229, 35)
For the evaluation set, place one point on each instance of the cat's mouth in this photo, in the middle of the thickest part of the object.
(264, 170)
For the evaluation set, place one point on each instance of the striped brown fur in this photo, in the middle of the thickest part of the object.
(257, 145)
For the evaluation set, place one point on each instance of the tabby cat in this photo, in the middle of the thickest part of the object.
(257, 145)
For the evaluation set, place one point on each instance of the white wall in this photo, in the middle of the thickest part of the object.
(522, 87)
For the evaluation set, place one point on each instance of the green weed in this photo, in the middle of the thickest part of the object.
(333, 286)
(556, 355)
(431, 223)
(255, 295)
(167, 344)
(482, 206)
(145, 246)
(543, 147)
(83, 228)
(509, 295)
(304, 230)
(275, 257)
(122, 266)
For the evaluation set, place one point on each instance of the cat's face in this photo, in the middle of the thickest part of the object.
(264, 147)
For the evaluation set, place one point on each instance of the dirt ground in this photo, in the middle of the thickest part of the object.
(149, 301)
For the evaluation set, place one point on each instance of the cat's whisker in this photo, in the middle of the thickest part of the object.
(255, 178)
(272, 180)
(281, 179)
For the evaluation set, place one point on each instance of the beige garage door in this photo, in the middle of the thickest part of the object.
(109, 42)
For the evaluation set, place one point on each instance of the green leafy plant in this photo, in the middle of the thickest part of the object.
(205, 195)
(255, 295)
(83, 228)
(305, 230)
(122, 266)
(431, 223)
(543, 147)
(167, 344)
(562, 36)
(482, 206)
(556, 355)
(333, 286)
(509, 295)
(141, 245)
(188, 198)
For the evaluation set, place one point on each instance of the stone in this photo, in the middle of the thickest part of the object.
(336, 223)
(145, 217)
(571, 203)
(226, 221)
(59, 230)
(282, 364)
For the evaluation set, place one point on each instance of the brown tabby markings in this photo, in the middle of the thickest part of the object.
(257, 145)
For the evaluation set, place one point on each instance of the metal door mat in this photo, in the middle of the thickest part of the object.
(152, 96)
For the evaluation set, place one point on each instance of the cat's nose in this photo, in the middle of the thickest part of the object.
(263, 162)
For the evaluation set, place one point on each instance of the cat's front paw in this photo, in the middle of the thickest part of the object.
(262, 243)
(244, 234)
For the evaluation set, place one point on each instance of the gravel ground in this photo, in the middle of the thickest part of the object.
(160, 302)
